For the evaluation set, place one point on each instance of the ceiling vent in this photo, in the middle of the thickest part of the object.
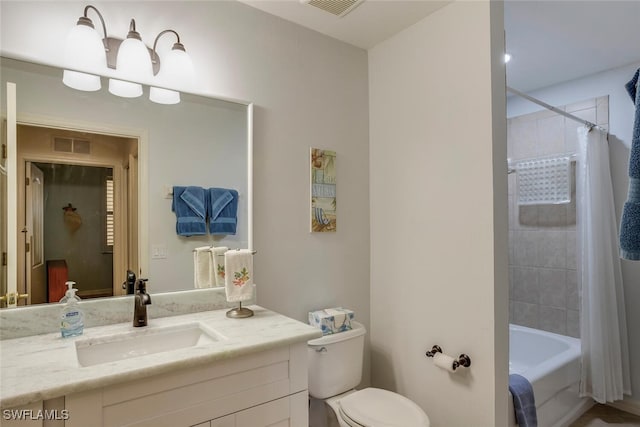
(71, 145)
(338, 8)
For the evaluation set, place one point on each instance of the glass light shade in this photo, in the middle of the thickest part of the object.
(164, 96)
(84, 50)
(125, 89)
(176, 70)
(132, 63)
(81, 81)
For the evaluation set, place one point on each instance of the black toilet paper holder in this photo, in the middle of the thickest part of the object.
(435, 349)
(463, 359)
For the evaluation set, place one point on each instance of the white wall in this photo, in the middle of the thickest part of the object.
(309, 90)
(434, 158)
(439, 213)
(621, 113)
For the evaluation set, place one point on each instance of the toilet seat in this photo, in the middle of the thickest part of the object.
(348, 420)
(374, 407)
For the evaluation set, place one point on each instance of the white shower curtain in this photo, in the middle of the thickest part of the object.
(603, 328)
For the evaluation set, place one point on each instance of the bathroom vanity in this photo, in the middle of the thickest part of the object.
(201, 369)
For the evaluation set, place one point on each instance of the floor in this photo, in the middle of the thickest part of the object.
(603, 415)
(597, 416)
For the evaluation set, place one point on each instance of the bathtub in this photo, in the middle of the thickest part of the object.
(551, 362)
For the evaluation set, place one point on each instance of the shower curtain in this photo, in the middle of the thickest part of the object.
(603, 328)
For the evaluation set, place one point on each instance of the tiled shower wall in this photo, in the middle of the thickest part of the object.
(543, 281)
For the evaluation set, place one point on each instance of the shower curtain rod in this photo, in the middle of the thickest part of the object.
(554, 109)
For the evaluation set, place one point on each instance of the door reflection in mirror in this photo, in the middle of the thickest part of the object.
(72, 182)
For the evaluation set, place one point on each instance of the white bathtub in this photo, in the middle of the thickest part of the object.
(551, 362)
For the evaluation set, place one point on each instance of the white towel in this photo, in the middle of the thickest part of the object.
(203, 267)
(544, 181)
(218, 265)
(238, 266)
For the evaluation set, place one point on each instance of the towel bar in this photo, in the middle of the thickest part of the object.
(252, 252)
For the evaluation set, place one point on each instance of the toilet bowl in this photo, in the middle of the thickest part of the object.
(335, 368)
(374, 407)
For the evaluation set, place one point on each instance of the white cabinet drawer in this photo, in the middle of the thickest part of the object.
(228, 421)
(22, 416)
(290, 411)
(190, 397)
(267, 414)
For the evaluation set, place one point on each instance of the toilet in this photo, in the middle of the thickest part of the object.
(335, 368)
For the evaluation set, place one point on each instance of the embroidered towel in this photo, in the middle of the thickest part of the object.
(524, 402)
(544, 181)
(630, 222)
(191, 211)
(222, 209)
(331, 320)
(218, 264)
(203, 272)
(238, 281)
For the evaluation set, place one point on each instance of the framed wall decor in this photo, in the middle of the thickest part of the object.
(323, 190)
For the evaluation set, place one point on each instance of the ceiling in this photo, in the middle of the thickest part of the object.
(550, 41)
(557, 41)
(371, 22)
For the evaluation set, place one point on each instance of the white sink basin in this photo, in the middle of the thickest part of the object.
(148, 340)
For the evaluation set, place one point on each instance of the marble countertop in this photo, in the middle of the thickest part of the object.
(45, 366)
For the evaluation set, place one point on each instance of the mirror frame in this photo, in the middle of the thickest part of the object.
(15, 118)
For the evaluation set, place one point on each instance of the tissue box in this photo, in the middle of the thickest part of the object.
(331, 320)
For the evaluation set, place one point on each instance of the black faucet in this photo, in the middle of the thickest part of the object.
(141, 300)
(130, 284)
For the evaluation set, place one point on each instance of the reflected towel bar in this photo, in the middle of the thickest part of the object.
(252, 252)
(511, 170)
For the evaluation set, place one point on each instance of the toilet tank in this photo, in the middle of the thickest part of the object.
(335, 362)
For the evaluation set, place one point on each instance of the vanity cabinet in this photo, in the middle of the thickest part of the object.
(23, 416)
(48, 413)
(267, 388)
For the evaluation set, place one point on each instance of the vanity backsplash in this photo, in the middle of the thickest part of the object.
(45, 318)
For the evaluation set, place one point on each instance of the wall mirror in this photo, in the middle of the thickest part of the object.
(91, 194)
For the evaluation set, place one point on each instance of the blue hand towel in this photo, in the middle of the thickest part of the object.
(630, 222)
(524, 402)
(190, 208)
(222, 208)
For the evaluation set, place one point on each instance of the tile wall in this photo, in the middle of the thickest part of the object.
(544, 291)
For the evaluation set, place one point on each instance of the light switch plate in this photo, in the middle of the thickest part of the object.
(158, 251)
(167, 191)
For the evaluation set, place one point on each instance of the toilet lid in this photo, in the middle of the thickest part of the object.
(374, 407)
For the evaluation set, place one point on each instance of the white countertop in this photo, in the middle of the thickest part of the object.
(45, 366)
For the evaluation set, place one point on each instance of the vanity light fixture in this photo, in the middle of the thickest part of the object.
(85, 50)
(133, 61)
(177, 68)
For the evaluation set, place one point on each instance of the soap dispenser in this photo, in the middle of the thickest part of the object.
(71, 316)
